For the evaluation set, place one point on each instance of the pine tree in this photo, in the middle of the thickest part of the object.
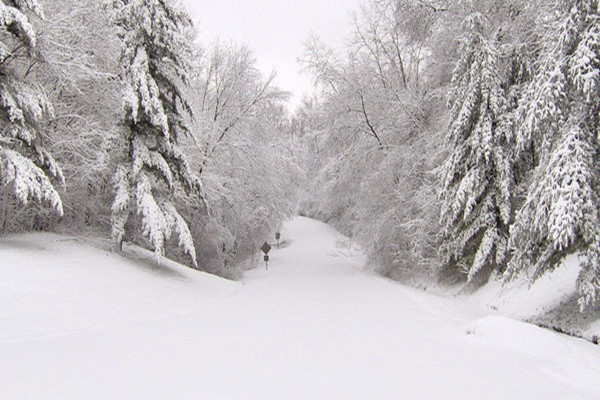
(560, 125)
(478, 175)
(154, 65)
(26, 167)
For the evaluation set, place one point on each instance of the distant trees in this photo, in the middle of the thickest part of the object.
(377, 139)
(246, 156)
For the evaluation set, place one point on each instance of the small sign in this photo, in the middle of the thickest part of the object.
(266, 258)
(266, 248)
(278, 236)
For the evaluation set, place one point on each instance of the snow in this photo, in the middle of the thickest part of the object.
(79, 322)
(551, 300)
(522, 300)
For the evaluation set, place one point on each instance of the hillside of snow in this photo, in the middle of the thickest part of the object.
(551, 301)
(79, 322)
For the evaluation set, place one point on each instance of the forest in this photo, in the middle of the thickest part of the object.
(456, 141)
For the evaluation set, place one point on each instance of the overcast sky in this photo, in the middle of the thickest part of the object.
(275, 30)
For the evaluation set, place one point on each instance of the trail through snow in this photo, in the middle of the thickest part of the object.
(78, 322)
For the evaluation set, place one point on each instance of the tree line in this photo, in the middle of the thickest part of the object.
(454, 139)
(460, 139)
(117, 119)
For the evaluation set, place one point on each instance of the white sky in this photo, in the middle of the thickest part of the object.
(275, 30)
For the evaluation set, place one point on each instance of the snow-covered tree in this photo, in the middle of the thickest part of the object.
(478, 175)
(154, 63)
(560, 126)
(26, 167)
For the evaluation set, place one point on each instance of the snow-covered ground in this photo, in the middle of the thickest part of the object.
(551, 301)
(78, 322)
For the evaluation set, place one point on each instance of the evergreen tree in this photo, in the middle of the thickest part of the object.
(478, 175)
(26, 167)
(560, 125)
(154, 63)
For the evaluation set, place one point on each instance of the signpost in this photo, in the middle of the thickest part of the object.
(277, 237)
(266, 247)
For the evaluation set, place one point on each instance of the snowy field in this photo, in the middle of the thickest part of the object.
(78, 322)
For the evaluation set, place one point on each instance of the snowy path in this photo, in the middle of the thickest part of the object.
(312, 327)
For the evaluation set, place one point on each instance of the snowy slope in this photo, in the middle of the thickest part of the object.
(82, 323)
(550, 301)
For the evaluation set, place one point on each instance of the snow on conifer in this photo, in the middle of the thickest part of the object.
(478, 175)
(154, 64)
(25, 165)
(561, 116)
